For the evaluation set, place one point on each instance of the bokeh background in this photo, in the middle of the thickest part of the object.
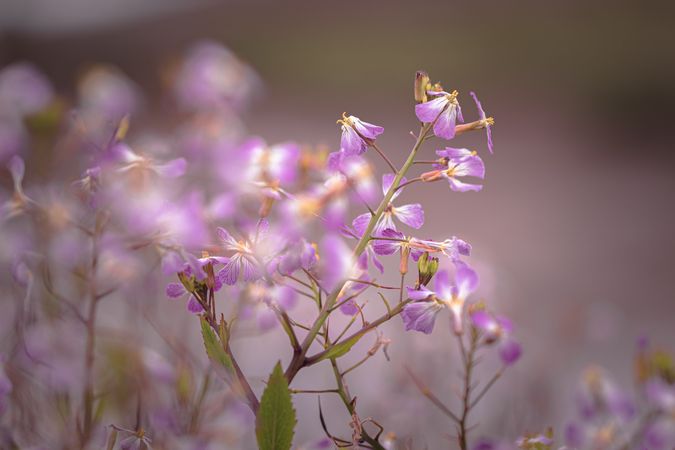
(573, 232)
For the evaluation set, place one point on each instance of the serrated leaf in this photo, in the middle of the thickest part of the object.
(340, 349)
(214, 348)
(275, 421)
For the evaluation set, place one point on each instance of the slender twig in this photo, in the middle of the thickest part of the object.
(432, 398)
(384, 156)
(487, 387)
(411, 181)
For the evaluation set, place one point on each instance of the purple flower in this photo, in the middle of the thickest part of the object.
(420, 314)
(132, 161)
(276, 163)
(242, 261)
(411, 215)
(106, 91)
(458, 163)
(213, 78)
(357, 134)
(355, 171)
(661, 395)
(23, 90)
(336, 261)
(300, 255)
(497, 329)
(485, 122)
(443, 111)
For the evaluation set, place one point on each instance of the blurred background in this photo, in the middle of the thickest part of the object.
(573, 232)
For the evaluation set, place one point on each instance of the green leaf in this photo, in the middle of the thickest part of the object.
(275, 420)
(340, 349)
(214, 348)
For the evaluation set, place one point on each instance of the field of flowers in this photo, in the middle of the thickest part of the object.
(195, 287)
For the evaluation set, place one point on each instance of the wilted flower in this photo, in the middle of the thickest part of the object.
(357, 135)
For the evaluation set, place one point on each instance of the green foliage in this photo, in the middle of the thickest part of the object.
(275, 420)
(214, 348)
(341, 348)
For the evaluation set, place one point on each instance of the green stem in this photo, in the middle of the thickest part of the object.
(298, 360)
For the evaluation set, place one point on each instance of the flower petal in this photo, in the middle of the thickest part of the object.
(420, 316)
(411, 215)
(230, 272)
(445, 125)
(175, 290)
(427, 112)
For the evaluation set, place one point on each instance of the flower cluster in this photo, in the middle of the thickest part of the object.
(142, 241)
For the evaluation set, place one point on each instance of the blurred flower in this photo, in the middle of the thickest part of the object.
(497, 329)
(212, 77)
(443, 111)
(23, 90)
(106, 94)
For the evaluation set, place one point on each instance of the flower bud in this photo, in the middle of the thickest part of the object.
(427, 267)
(421, 84)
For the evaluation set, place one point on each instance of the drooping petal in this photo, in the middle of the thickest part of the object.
(483, 116)
(460, 186)
(427, 112)
(366, 129)
(420, 316)
(193, 305)
(411, 215)
(351, 142)
(175, 290)
(445, 125)
(349, 307)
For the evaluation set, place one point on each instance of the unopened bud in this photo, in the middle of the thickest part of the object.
(433, 175)
(403, 267)
(421, 84)
(427, 267)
